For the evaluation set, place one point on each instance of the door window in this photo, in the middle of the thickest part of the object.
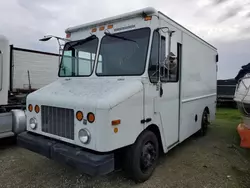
(153, 70)
(170, 70)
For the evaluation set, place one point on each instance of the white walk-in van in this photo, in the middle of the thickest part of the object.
(129, 87)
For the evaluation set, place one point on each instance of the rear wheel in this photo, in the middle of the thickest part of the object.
(204, 123)
(141, 158)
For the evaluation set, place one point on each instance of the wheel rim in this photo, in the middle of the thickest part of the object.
(148, 156)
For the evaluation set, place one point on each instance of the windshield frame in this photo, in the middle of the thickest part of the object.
(146, 56)
(94, 61)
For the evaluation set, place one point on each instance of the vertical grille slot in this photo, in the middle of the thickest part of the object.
(58, 121)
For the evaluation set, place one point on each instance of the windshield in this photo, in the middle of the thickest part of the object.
(123, 53)
(78, 57)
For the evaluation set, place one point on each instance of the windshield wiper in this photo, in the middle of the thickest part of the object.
(122, 38)
(79, 42)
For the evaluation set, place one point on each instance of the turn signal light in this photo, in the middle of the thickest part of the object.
(116, 122)
(101, 28)
(91, 117)
(147, 18)
(110, 26)
(115, 130)
(79, 116)
(37, 109)
(68, 35)
(94, 30)
(30, 107)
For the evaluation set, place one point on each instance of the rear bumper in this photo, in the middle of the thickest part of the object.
(225, 98)
(87, 162)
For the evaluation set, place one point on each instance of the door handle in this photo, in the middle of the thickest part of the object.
(146, 120)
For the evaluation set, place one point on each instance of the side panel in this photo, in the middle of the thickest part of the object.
(130, 112)
(198, 84)
(42, 68)
(189, 111)
(4, 70)
(6, 122)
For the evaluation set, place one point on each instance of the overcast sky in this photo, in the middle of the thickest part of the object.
(223, 23)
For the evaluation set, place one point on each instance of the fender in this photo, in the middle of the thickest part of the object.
(156, 120)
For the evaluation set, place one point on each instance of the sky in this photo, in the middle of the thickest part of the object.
(223, 23)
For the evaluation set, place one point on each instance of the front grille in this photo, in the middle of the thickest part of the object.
(58, 121)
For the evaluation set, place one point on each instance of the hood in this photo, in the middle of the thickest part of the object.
(94, 93)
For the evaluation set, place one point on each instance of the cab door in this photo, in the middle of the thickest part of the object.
(168, 102)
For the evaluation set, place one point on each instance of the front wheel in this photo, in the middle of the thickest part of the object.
(141, 157)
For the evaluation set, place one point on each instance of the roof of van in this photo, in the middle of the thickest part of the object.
(147, 11)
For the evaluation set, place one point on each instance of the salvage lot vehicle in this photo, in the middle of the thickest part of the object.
(129, 86)
(225, 92)
(12, 121)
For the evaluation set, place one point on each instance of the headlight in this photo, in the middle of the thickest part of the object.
(33, 123)
(84, 136)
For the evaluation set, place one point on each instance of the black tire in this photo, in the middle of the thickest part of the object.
(204, 123)
(2, 110)
(141, 158)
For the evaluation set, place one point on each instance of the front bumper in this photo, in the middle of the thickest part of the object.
(85, 161)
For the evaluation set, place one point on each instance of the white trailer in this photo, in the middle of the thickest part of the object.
(21, 72)
(31, 69)
(129, 86)
(13, 122)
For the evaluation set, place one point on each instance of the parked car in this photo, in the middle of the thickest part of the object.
(225, 92)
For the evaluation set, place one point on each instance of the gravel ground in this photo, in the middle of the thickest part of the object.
(198, 162)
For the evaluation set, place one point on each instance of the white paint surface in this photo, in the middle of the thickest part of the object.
(108, 99)
(4, 70)
(132, 99)
(43, 69)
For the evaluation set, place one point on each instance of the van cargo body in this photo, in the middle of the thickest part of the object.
(129, 86)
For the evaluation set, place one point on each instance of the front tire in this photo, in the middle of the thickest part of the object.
(142, 156)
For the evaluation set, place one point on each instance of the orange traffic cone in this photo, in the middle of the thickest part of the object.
(244, 133)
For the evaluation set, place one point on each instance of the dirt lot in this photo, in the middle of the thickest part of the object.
(212, 161)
